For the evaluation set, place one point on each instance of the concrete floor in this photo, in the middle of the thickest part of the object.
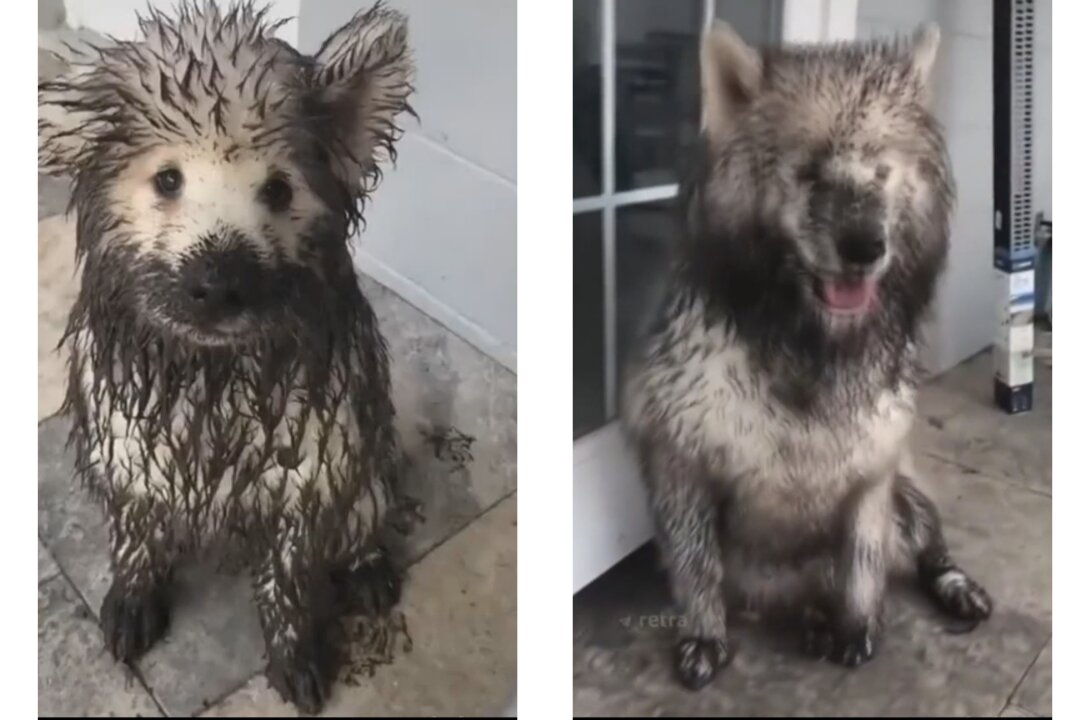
(460, 597)
(991, 475)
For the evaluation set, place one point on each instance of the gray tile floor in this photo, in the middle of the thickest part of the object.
(991, 473)
(460, 597)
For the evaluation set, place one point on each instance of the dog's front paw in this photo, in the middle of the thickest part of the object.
(300, 681)
(302, 672)
(698, 660)
(133, 618)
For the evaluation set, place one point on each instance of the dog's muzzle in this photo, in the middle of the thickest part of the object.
(220, 285)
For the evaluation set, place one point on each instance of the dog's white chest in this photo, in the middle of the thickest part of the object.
(717, 406)
(763, 440)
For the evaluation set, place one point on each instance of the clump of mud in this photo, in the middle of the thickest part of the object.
(372, 641)
(450, 445)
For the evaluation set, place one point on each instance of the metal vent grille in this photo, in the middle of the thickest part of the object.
(1023, 46)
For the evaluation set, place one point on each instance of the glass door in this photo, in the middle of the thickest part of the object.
(635, 110)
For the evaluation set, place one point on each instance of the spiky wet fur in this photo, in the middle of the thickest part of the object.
(281, 439)
(772, 436)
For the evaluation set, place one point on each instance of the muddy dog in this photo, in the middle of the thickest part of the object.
(774, 391)
(227, 376)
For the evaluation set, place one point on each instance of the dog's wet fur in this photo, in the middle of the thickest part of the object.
(773, 393)
(227, 376)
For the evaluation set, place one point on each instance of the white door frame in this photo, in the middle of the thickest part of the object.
(611, 515)
(819, 20)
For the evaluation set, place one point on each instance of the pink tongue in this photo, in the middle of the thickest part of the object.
(847, 295)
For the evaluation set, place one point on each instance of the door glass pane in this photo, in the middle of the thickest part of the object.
(645, 235)
(656, 118)
(656, 82)
(758, 23)
(588, 324)
(587, 116)
(656, 51)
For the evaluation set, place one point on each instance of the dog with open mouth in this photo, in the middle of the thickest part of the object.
(773, 392)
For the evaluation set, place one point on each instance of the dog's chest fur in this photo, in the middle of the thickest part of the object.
(773, 467)
(226, 448)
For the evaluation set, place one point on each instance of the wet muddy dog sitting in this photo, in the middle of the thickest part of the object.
(774, 392)
(227, 376)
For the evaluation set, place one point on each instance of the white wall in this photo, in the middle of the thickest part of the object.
(963, 99)
(442, 228)
(117, 17)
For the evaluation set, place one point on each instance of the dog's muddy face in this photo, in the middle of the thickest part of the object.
(217, 171)
(221, 245)
(831, 156)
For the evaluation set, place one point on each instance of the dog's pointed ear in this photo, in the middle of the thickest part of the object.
(66, 122)
(362, 81)
(730, 78)
(924, 50)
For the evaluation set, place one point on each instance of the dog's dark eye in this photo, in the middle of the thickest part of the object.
(168, 183)
(277, 194)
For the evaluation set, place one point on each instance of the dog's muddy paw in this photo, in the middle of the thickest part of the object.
(300, 680)
(697, 661)
(133, 619)
(961, 597)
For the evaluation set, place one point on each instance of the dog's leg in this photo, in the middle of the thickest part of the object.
(135, 612)
(687, 535)
(296, 606)
(861, 574)
(920, 530)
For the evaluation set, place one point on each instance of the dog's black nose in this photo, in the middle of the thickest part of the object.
(860, 247)
(220, 284)
(210, 286)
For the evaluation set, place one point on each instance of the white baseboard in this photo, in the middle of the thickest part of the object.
(611, 509)
(431, 306)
